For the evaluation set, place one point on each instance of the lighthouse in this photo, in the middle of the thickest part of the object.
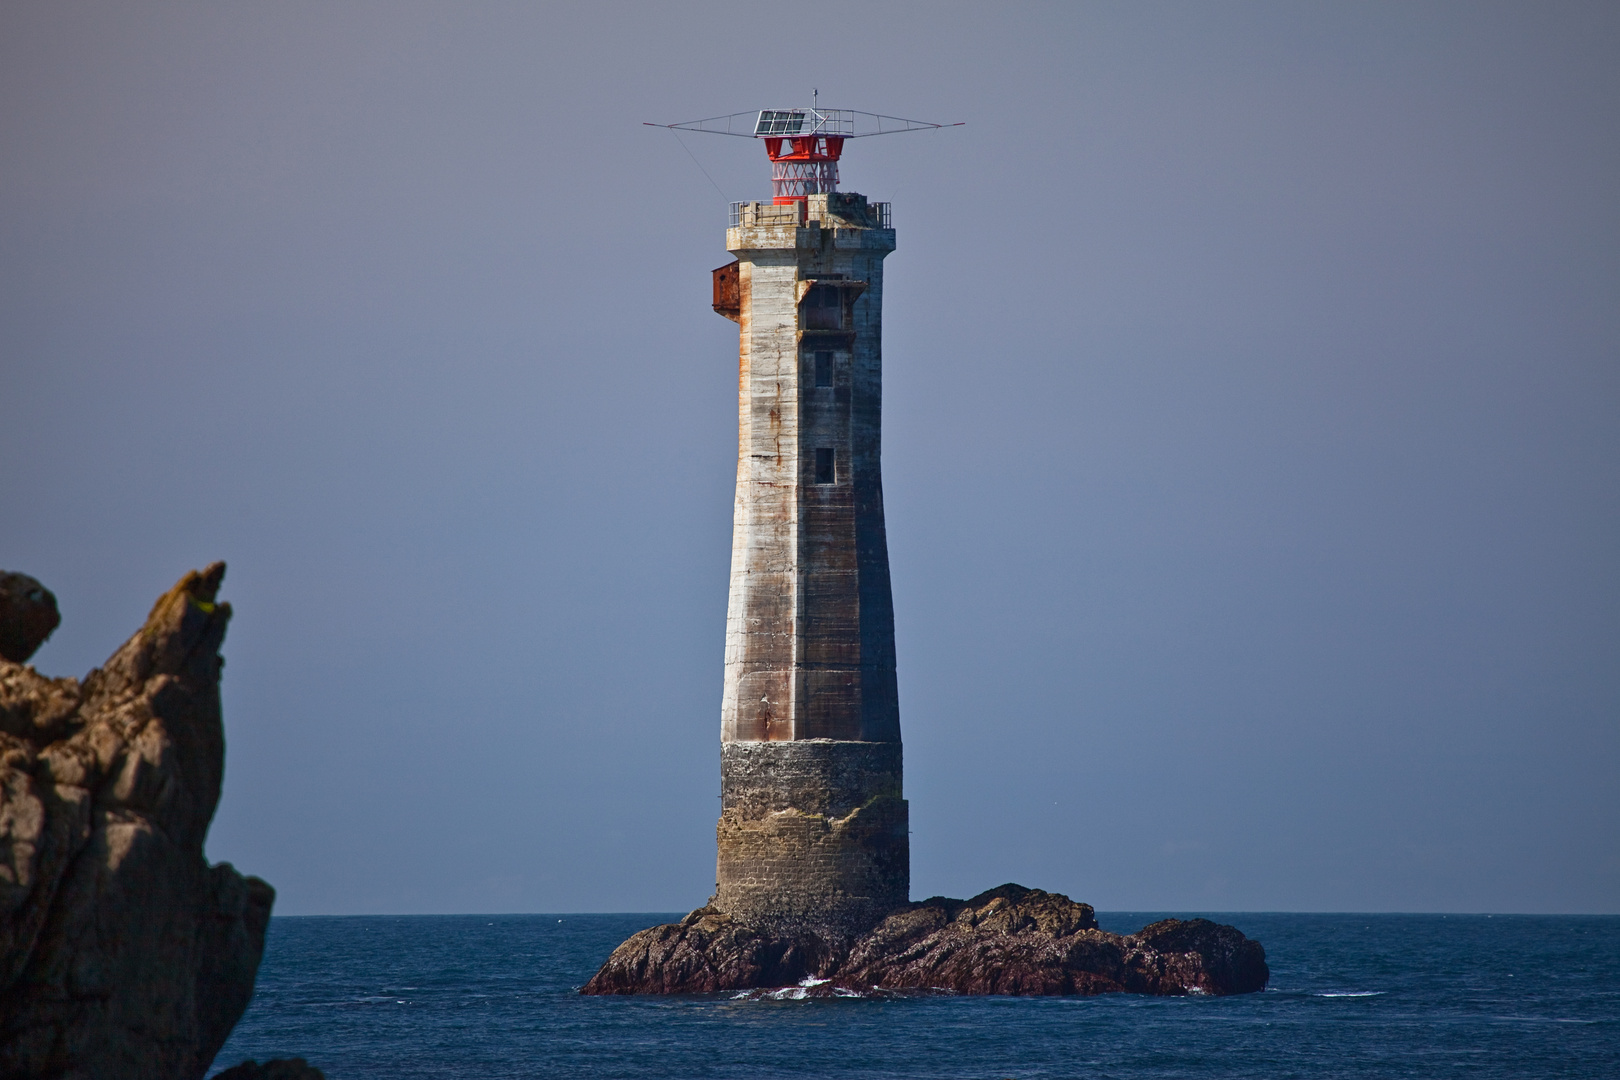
(813, 868)
(813, 821)
(813, 827)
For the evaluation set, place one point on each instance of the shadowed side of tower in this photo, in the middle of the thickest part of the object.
(813, 824)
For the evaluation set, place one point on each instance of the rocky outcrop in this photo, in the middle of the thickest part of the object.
(1014, 940)
(122, 952)
(1009, 940)
(27, 616)
(279, 1069)
(708, 952)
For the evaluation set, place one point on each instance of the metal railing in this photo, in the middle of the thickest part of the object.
(756, 213)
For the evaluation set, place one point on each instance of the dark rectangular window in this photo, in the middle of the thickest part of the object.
(826, 471)
(823, 369)
(823, 308)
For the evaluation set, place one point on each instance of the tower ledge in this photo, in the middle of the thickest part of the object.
(758, 226)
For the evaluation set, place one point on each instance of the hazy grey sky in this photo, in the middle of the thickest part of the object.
(1252, 431)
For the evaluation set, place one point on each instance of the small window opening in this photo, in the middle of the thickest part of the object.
(826, 471)
(823, 369)
(823, 308)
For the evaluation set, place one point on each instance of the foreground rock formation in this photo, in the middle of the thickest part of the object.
(279, 1069)
(27, 616)
(1009, 940)
(123, 954)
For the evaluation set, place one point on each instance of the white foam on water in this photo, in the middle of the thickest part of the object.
(1349, 993)
(800, 992)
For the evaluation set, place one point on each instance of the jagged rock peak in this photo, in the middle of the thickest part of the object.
(28, 615)
(122, 952)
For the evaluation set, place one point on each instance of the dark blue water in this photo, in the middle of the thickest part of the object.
(1351, 996)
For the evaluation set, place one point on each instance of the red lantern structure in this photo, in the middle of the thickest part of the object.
(804, 145)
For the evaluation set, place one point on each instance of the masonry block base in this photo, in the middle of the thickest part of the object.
(812, 833)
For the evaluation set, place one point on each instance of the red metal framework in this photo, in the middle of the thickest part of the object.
(802, 167)
(804, 145)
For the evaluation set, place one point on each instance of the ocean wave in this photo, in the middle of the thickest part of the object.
(812, 988)
(809, 987)
(1349, 993)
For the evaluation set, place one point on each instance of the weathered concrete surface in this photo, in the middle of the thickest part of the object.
(812, 835)
(122, 952)
(27, 616)
(810, 626)
(1009, 940)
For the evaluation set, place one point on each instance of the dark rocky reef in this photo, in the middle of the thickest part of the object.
(1009, 940)
(122, 952)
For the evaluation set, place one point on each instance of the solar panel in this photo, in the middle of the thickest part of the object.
(779, 122)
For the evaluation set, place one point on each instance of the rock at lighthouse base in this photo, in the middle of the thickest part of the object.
(1009, 940)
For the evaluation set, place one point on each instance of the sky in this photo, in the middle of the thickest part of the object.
(1251, 433)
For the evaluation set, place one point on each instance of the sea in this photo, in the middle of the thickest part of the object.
(487, 996)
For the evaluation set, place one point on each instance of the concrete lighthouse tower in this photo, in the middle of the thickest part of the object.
(813, 827)
(813, 824)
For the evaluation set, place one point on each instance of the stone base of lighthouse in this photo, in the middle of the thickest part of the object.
(813, 835)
